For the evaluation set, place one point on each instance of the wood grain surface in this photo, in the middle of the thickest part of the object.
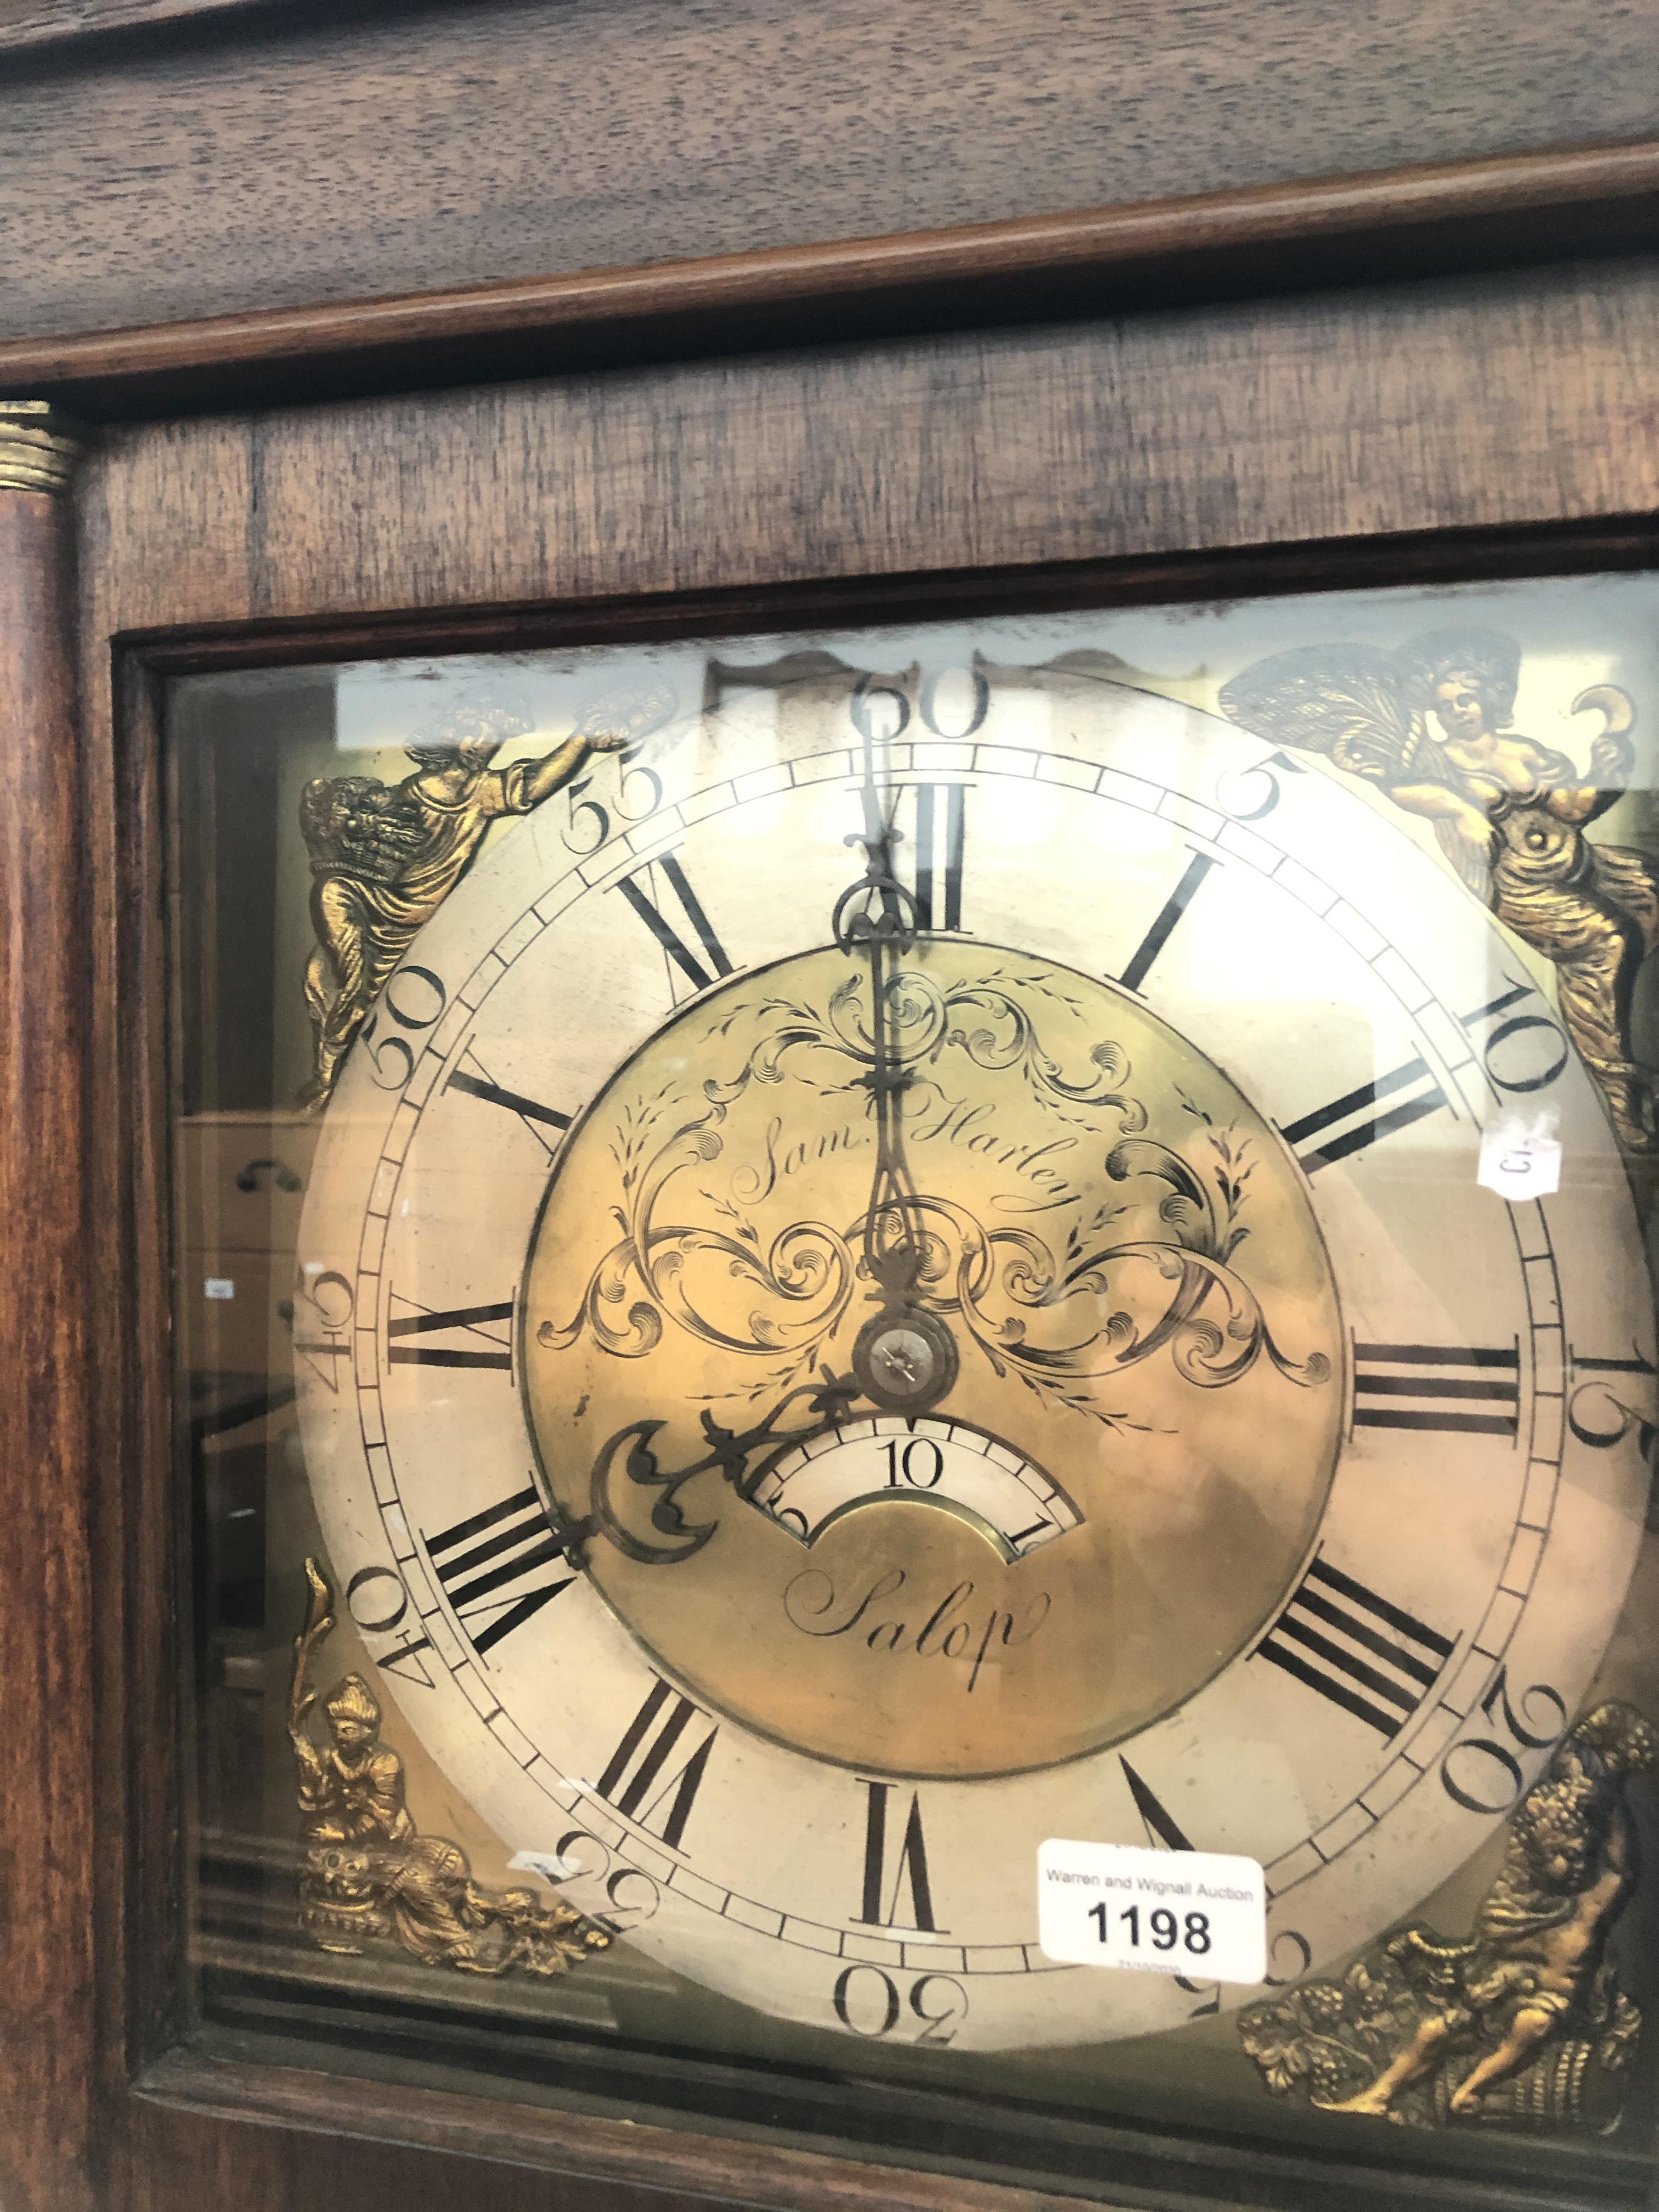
(46, 1749)
(1516, 208)
(46, 22)
(193, 2117)
(1480, 406)
(289, 157)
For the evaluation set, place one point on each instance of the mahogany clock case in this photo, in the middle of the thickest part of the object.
(582, 2034)
(739, 501)
(803, 1847)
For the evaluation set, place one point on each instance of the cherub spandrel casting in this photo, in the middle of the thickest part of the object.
(1523, 2023)
(370, 1876)
(1510, 814)
(385, 857)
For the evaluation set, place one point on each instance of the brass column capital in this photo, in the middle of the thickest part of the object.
(40, 447)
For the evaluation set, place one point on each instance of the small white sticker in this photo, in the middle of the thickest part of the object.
(548, 1864)
(1203, 1914)
(219, 1287)
(1521, 1159)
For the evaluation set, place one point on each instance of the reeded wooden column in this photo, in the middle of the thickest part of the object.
(46, 2010)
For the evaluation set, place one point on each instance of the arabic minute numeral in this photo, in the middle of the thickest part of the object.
(1255, 792)
(868, 2003)
(1303, 1956)
(597, 829)
(1483, 1775)
(936, 710)
(414, 999)
(325, 1304)
(1596, 1414)
(1510, 1064)
(630, 1893)
(377, 1601)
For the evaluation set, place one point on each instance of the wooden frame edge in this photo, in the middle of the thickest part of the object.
(48, 27)
(1425, 219)
(1264, 571)
(690, 2165)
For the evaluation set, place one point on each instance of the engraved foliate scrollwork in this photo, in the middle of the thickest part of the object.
(1058, 1317)
(1521, 2024)
(1063, 1287)
(369, 1876)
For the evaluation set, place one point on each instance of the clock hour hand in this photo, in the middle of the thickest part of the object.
(905, 1358)
(627, 1463)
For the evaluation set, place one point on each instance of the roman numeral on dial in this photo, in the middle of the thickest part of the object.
(1350, 1123)
(1355, 1648)
(499, 1568)
(936, 837)
(645, 1780)
(1165, 920)
(939, 812)
(641, 892)
(908, 1864)
(478, 1086)
(484, 1344)
(1457, 1390)
(1156, 1817)
(1164, 1832)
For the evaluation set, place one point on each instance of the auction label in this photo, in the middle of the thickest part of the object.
(1203, 1914)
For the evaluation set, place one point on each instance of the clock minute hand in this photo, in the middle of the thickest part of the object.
(876, 915)
(905, 1358)
(891, 1246)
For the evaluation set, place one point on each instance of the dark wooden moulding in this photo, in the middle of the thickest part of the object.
(1430, 219)
(1292, 444)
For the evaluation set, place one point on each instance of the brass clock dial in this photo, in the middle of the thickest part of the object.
(1124, 1253)
(800, 1418)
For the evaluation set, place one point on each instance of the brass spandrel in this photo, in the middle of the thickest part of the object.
(368, 1875)
(385, 857)
(1524, 2024)
(1509, 814)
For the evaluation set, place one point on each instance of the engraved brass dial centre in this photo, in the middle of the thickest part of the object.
(1118, 1275)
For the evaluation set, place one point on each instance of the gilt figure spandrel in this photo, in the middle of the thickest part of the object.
(385, 857)
(368, 1876)
(1523, 2022)
(1508, 813)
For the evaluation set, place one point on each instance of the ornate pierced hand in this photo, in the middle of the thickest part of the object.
(905, 1358)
